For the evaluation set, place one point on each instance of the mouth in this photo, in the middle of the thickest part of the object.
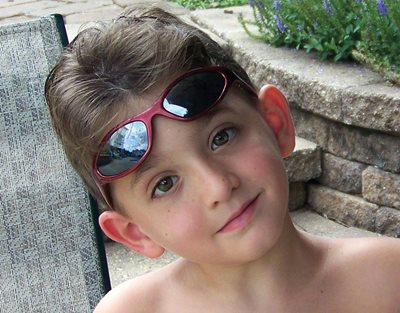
(241, 217)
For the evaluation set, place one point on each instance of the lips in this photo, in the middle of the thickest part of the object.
(241, 217)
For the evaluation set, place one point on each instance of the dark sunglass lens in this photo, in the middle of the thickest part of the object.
(194, 94)
(124, 149)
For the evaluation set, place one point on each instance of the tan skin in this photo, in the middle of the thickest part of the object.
(199, 176)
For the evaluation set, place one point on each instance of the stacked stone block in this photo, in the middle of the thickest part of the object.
(360, 181)
(303, 165)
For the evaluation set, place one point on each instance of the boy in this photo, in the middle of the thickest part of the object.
(173, 140)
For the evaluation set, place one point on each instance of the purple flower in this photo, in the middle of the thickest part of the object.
(276, 4)
(259, 4)
(256, 4)
(328, 7)
(382, 9)
(279, 23)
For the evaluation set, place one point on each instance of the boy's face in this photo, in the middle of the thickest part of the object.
(213, 190)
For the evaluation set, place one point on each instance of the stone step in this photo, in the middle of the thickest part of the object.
(354, 210)
(304, 163)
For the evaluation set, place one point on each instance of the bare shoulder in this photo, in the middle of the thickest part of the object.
(377, 257)
(382, 251)
(368, 269)
(133, 296)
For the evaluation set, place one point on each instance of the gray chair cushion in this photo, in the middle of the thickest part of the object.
(50, 257)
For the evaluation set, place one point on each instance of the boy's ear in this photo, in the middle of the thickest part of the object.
(275, 111)
(121, 229)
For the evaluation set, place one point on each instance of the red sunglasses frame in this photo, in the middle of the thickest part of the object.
(158, 109)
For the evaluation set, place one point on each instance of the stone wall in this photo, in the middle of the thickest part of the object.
(360, 181)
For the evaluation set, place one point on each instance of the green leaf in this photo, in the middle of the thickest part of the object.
(349, 29)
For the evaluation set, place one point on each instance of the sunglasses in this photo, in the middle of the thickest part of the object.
(187, 98)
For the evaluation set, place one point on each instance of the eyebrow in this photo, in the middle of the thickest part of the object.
(149, 163)
(211, 115)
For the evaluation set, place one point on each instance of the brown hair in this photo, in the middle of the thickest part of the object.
(107, 66)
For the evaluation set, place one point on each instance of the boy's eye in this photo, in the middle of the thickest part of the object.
(222, 137)
(164, 185)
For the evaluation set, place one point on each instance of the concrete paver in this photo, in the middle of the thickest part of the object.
(75, 11)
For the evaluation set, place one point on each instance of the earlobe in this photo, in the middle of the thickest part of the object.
(121, 229)
(275, 111)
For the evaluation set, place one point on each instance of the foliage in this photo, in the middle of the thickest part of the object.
(205, 4)
(367, 31)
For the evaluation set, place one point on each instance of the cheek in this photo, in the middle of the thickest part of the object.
(263, 161)
(187, 221)
(264, 168)
(270, 166)
(179, 226)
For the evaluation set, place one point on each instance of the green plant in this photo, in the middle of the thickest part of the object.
(327, 27)
(205, 4)
(379, 47)
(367, 31)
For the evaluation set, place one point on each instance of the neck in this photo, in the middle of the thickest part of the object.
(276, 270)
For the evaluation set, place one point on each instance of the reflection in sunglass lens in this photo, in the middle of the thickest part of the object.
(194, 94)
(124, 149)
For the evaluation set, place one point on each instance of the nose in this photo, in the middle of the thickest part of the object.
(216, 181)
